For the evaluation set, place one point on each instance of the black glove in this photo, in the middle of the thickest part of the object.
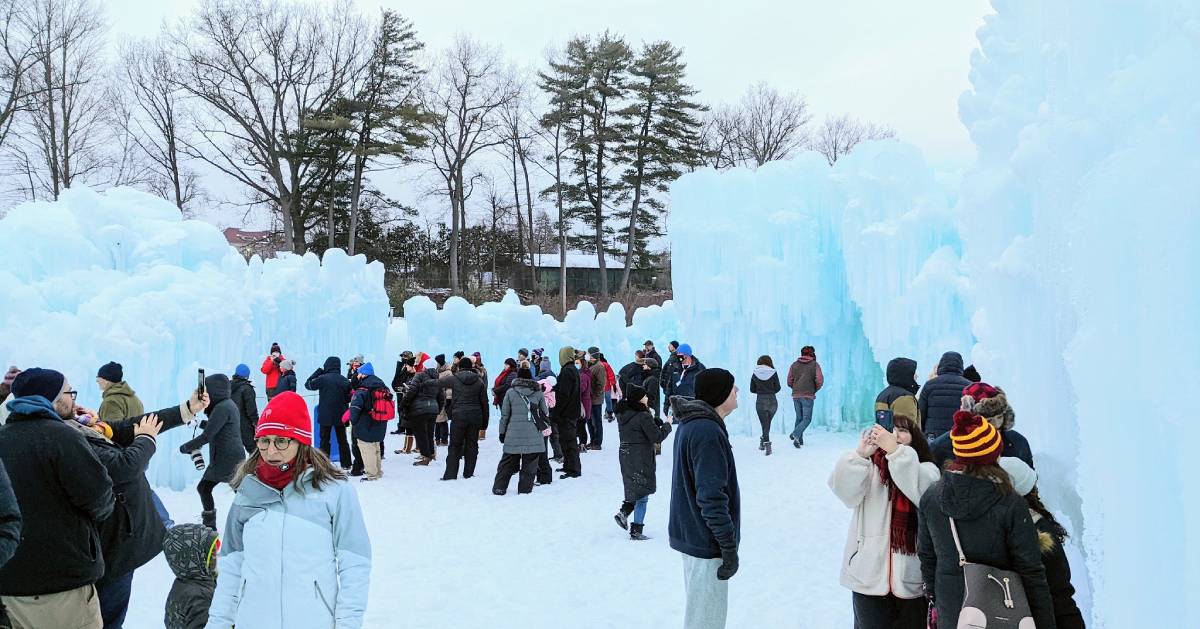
(183, 449)
(277, 359)
(501, 437)
(729, 565)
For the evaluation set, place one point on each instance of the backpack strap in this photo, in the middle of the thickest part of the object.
(962, 559)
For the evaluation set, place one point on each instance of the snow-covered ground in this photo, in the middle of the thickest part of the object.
(450, 554)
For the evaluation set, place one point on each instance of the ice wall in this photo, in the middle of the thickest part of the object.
(119, 276)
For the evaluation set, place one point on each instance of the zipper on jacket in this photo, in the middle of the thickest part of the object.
(320, 595)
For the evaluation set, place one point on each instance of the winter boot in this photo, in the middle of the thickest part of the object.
(408, 444)
(622, 516)
(499, 492)
(635, 532)
(209, 519)
(762, 443)
(422, 461)
(797, 443)
(767, 448)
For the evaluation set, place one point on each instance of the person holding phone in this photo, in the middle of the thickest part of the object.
(900, 396)
(222, 435)
(270, 368)
(882, 480)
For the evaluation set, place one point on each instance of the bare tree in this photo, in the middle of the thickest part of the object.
(770, 124)
(259, 68)
(20, 56)
(466, 92)
(154, 118)
(839, 135)
(520, 137)
(67, 122)
(719, 138)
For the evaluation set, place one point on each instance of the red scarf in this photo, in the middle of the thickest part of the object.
(904, 512)
(272, 476)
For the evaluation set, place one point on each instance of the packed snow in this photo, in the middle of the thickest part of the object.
(450, 554)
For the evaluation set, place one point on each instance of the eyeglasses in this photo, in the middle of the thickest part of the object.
(73, 394)
(280, 443)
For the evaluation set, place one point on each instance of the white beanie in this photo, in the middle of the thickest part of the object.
(1023, 477)
(429, 364)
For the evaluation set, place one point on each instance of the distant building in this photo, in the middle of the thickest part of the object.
(583, 273)
(263, 243)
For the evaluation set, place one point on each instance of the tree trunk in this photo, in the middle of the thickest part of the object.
(456, 200)
(529, 204)
(640, 161)
(355, 193)
(517, 204)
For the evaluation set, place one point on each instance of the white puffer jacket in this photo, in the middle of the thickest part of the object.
(868, 565)
(292, 559)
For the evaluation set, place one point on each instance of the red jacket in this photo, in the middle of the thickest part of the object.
(612, 378)
(272, 370)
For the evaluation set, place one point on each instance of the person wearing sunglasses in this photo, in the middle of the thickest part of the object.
(295, 550)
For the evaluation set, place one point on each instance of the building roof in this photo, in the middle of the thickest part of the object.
(576, 261)
(241, 238)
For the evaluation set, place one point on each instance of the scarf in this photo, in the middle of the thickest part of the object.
(34, 405)
(904, 513)
(274, 477)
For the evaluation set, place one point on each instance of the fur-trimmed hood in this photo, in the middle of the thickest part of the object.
(998, 411)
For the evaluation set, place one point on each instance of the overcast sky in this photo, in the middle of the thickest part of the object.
(901, 64)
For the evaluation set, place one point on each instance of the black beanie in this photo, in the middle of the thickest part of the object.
(440, 358)
(525, 372)
(44, 382)
(466, 363)
(275, 348)
(112, 372)
(713, 386)
(634, 393)
(459, 354)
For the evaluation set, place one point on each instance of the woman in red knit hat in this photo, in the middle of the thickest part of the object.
(976, 497)
(295, 550)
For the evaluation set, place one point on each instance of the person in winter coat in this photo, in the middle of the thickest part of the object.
(10, 518)
(441, 427)
(882, 481)
(940, 396)
(118, 401)
(270, 368)
(6, 390)
(650, 382)
(705, 521)
(648, 351)
(504, 381)
(764, 382)
(222, 434)
(295, 550)
(541, 365)
(990, 402)
(406, 369)
(369, 428)
(242, 392)
(584, 425)
(1051, 539)
(566, 412)
(423, 400)
(976, 496)
(64, 494)
(639, 434)
(333, 398)
(287, 377)
(683, 376)
(669, 367)
(522, 432)
(599, 384)
(477, 358)
(805, 378)
(632, 372)
(468, 418)
(900, 396)
(191, 552)
(610, 388)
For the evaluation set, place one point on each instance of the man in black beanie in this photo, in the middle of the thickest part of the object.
(705, 521)
(118, 400)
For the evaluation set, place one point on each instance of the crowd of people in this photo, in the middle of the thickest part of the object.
(941, 483)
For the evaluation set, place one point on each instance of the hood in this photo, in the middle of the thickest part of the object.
(626, 413)
(371, 382)
(951, 362)
(806, 359)
(902, 372)
(431, 373)
(333, 364)
(763, 372)
(966, 497)
(692, 410)
(566, 355)
(186, 549)
(467, 376)
(240, 381)
(527, 384)
(218, 387)
(119, 388)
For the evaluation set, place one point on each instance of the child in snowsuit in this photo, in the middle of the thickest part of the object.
(191, 551)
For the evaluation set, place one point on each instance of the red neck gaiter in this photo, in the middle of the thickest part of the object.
(272, 476)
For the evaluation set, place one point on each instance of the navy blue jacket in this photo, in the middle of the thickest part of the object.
(942, 396)
(705, 500)
(683, 380)
(1015, 444)
(365, 428)
(334, 392)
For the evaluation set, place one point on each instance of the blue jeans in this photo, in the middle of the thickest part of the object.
(639, 510)
(804, 410)
(162, 510)
(114, 600)
(608, 405)
(596, 427)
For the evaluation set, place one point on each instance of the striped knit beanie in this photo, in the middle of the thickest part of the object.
(976, 441)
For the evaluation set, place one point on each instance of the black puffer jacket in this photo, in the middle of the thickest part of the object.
(470, 394)
(995, 529)
(64, 494)
(942, 396)
(242, 392)
(222, 432)
(1058, 575)
(639, 433)
(900, 396)
(333, 392)
(566, 395)
(631, 374)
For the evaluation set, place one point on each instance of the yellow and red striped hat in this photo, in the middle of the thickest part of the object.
(976, 441)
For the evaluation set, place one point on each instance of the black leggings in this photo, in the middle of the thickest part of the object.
(205, 488)
(339, 432)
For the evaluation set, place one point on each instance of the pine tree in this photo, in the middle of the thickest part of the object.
(661, 136)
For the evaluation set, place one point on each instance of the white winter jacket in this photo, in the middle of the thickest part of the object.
(868, 565)
(292, 559)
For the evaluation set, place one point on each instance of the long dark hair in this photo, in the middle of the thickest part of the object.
(324, 471)
(766, 360)
(1035, 504)
(919, 442)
